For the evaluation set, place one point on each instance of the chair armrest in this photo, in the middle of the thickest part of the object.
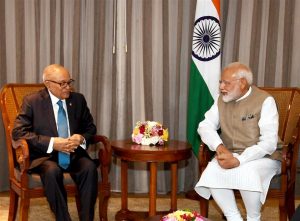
(105, 153)
(104, 156)
(22, 154)
(204, 156)
(286, 154)
(290, 153)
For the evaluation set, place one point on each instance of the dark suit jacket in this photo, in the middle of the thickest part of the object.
(36, 122)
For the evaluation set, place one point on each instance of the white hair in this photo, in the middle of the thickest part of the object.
(50, 70)
(245, 74)
(242, 71)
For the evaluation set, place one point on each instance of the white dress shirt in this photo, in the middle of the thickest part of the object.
(55, 106)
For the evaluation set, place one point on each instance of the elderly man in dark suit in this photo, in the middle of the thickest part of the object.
(58, 125)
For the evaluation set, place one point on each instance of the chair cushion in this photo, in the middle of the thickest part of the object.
(275, 182)
(35, 180)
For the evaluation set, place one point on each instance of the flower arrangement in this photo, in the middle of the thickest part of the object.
(149, 133)
(182, 215)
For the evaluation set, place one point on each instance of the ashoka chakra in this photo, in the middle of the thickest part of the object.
(206, 38)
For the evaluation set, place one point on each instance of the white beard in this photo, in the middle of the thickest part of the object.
(231, 96)
(227, 98)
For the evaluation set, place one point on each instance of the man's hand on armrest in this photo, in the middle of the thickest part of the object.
(225, 158)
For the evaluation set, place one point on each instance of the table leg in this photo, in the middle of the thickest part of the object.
(174, 186)
(124, 185)
(152, 191)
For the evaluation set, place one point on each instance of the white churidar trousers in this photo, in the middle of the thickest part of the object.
(252, 179)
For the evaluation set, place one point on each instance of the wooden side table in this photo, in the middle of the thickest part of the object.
(172, 152)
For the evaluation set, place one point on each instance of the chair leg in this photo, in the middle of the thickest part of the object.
(13, 205)
(24, 207)
(104, 195)
(204, 207)
(290, 200)
(291, 208)
(282, 210)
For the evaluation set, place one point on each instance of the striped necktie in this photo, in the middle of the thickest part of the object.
(62, 127)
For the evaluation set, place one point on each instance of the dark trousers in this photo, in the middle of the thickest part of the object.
(84, 173)
(296, 216)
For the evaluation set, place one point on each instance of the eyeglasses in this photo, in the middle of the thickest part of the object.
(63, 84)
(227, 83)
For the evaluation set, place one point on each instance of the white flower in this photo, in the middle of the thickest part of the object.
(151, 140)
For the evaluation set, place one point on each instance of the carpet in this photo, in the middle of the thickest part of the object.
(39, 209)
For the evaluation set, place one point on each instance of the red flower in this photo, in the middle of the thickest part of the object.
(142, 129)
(160, 132)
(187, 217)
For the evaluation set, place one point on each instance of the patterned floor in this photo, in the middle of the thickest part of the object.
(39, 209)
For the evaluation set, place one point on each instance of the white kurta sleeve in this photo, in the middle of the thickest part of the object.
(268, 125)
(207, 128)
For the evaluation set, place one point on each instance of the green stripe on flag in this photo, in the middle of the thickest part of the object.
(200, 100)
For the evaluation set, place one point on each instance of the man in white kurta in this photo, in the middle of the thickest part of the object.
(246, 149)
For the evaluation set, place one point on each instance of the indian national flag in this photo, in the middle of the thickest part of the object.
(205, 66)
